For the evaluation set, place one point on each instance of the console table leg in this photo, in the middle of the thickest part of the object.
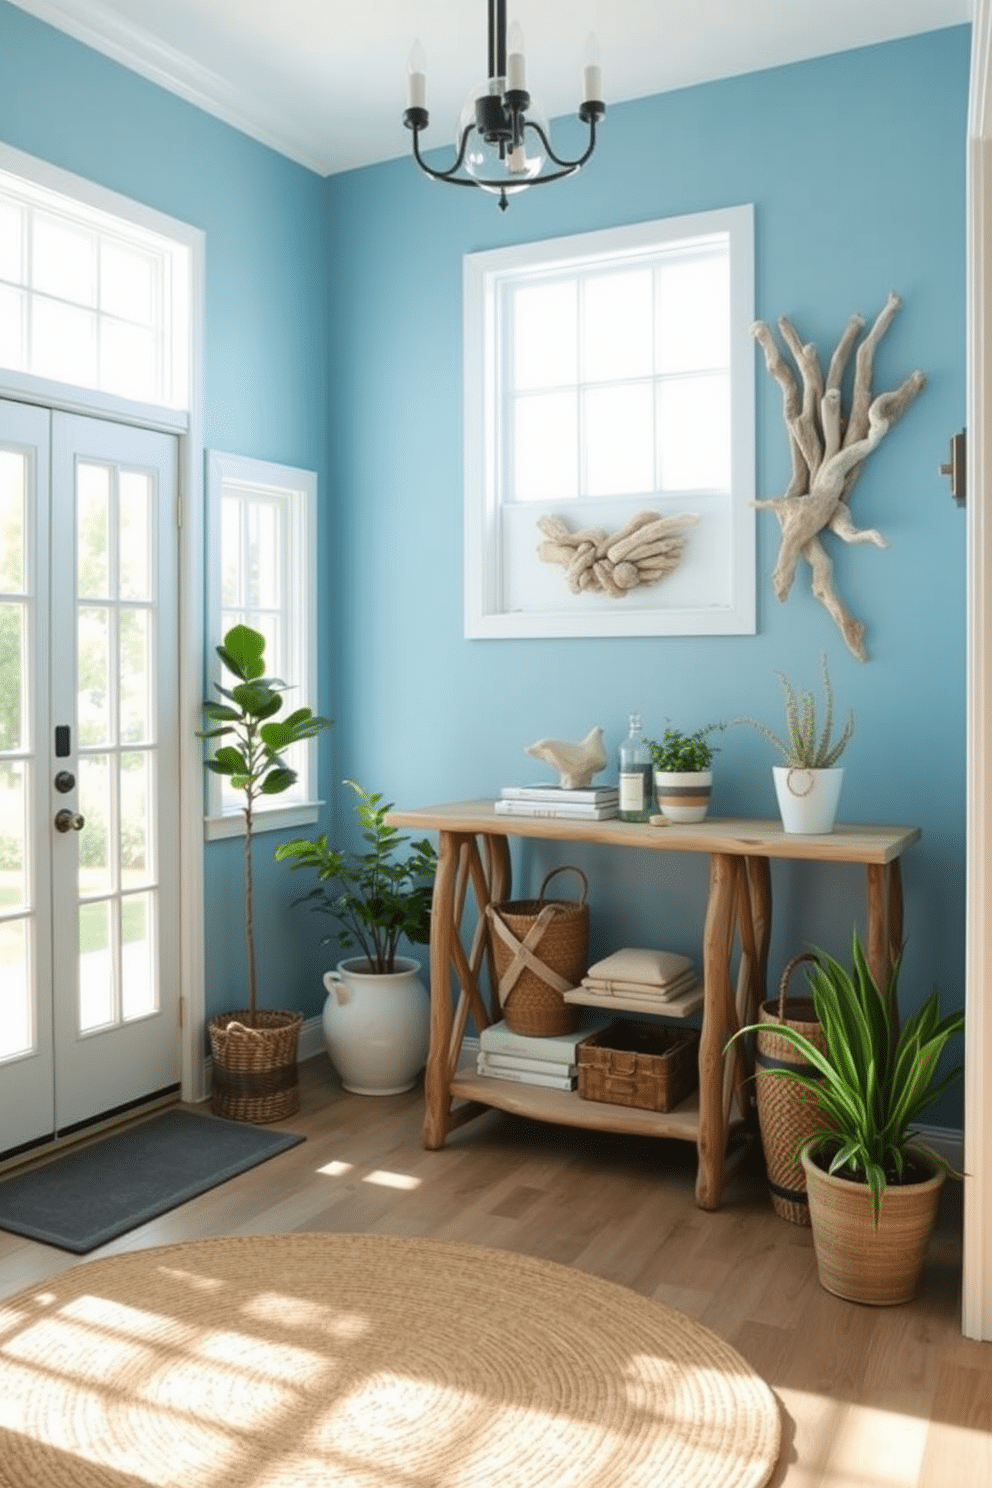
(718, 994)
(437, 1091)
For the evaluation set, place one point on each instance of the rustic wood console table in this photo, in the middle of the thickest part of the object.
(473, 849)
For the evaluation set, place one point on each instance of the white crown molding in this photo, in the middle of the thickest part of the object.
(105, 31)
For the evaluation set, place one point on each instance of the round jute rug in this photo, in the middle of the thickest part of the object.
(371, 1361)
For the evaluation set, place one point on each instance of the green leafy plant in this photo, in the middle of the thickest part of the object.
(874, 1079)
(253, 762)
(678, 752)
(375, 896)
(807, 745)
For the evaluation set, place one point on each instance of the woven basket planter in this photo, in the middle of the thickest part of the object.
(255, 1075)
(854, 1260)
(785, 1115)
(540, 951)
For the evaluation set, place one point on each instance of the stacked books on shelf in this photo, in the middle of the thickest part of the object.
(644, 981)
(580, 803)
(550, 1061)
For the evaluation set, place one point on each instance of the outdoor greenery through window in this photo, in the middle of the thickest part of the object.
(90, 299)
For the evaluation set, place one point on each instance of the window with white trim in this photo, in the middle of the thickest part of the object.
(262, 573)
(91, 299)
(607, 375)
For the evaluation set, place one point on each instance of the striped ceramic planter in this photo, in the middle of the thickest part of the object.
(683, 795)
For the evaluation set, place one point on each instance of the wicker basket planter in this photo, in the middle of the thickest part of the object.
(540, 951)
(854, 1260)
(785, 1115)
(255, 1076)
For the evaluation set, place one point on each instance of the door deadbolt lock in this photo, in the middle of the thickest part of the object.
(64, 782)
(68, 821)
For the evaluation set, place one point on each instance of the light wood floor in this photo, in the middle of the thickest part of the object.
(870, 1398)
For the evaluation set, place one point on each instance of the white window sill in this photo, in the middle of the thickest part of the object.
(272, 819)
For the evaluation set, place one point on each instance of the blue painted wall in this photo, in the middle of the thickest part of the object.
(855, 166)
(265, 363)
(333, 340)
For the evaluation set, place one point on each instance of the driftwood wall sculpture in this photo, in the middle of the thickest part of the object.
(828, 452)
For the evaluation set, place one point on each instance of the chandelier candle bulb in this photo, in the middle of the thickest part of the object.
(516, 71)
(416, 78)
(593, 73)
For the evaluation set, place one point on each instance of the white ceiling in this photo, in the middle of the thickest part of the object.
(324, 82)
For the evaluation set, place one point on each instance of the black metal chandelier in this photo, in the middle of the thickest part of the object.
(501, 147)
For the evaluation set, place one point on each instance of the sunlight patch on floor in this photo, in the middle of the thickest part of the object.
(391, 1180)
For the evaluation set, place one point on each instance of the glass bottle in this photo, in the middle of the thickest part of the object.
(636, 775)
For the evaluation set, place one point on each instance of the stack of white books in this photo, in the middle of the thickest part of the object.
(580, 803)
(551, 1061)
(644, 981)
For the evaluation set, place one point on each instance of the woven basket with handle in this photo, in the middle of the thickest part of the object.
(255, 1075)
(540, 951)
(785, 1115)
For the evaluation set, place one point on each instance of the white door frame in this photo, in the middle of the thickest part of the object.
(976, 1309)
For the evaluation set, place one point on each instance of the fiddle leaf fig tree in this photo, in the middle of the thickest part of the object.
(253, 762)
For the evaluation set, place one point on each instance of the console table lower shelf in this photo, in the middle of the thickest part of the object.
(568, 1108)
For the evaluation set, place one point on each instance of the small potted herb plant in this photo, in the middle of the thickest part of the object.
(808, 782)
(377, 1013)
(683, 778)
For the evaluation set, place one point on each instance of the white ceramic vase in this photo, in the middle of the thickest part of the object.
(683, 795)
(807, 799)
(376, 1025)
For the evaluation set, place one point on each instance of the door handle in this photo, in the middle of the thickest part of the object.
(68, 821)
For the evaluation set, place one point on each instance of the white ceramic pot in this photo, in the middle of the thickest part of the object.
(376, 1025)
(807, 799)
(683, 795)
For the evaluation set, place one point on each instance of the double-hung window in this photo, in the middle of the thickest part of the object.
(263, 573)
(607, 377)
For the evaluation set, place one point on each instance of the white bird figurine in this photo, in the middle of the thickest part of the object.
(576, 763)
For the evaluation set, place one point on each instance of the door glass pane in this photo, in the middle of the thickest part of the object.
(619, 440)
(136, 769)
(17, 1023)
(93, 681)
(96, 864)
(13, 526)
(135, 676)
(13, 838)
(96, 967)
(138, 982)
(93, 531)
(13, 676)
(134, 492)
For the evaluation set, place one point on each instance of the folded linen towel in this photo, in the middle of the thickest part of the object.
(647, 967)
(641, 989)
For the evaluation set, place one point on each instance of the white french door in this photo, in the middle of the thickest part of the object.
(88, 771)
